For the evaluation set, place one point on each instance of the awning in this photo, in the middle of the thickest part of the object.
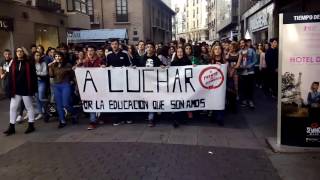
(97, 35)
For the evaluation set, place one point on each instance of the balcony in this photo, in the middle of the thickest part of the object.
(48, 5)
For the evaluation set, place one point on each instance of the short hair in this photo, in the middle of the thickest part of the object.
(242, 39)
(115, 40)
(151, 43)
(316, 83)
(92, 47)
(60, 54)
(273, 39)
(7, 50)
(141, 42)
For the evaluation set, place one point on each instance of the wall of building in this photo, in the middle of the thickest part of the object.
(25, 20)
(143, 16)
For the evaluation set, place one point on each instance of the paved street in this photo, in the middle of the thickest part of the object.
(199, 150)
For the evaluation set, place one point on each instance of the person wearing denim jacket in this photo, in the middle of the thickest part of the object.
(245, 66)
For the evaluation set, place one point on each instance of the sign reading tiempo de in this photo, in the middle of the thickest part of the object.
(129, 89)
(299, 76)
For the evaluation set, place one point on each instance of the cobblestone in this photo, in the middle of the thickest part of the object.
(130, 161)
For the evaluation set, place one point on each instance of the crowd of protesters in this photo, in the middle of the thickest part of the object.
(48, 79)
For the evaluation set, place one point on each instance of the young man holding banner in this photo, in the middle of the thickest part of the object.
(118, 58)
(93, 61)
(150, 60)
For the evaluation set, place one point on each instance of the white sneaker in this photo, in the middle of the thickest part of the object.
(39, 116)
(19, 119)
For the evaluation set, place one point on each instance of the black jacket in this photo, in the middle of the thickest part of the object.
(22, 78)
(272, 59)
(153, 59)
(181, 62)
(117, 59)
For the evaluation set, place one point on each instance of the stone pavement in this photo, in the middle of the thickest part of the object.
(134, 161)
(199, 150)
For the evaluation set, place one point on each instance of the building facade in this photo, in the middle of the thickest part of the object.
(44, 22)
(180, 21)
(143, 19)
(212, 20)
(260, 18)
(257, 20)
(196, 20)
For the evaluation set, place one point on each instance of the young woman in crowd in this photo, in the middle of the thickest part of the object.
(205, 56)
(22, 87)
(262, 67)
(43, 79)
(232, 58)
(172, 51)
(217, 57)
(133, 55)
(193, 56)
(80, 59)
(232, 79)
(180, 59)
(63, 75)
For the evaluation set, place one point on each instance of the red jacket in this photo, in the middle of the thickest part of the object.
(95, 62)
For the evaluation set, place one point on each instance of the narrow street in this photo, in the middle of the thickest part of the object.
(198, 150)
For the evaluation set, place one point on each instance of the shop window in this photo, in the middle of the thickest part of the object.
(122, 11)
(46, 35)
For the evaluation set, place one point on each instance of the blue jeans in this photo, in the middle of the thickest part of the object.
(63, 98)
(93, 117)
(41, 96)
(219, 115)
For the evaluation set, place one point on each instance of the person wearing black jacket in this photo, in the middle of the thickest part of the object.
(272, 60)
(151, 60)
(180, 59)
(117, 58)
(22, 86)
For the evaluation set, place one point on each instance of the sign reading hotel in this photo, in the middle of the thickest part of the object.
(171, 89)
(299, 98)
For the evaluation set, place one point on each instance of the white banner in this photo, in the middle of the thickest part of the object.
(185, 88)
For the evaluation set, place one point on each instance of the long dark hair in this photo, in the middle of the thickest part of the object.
(133, 50)
(25, 56)
(184, 50)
